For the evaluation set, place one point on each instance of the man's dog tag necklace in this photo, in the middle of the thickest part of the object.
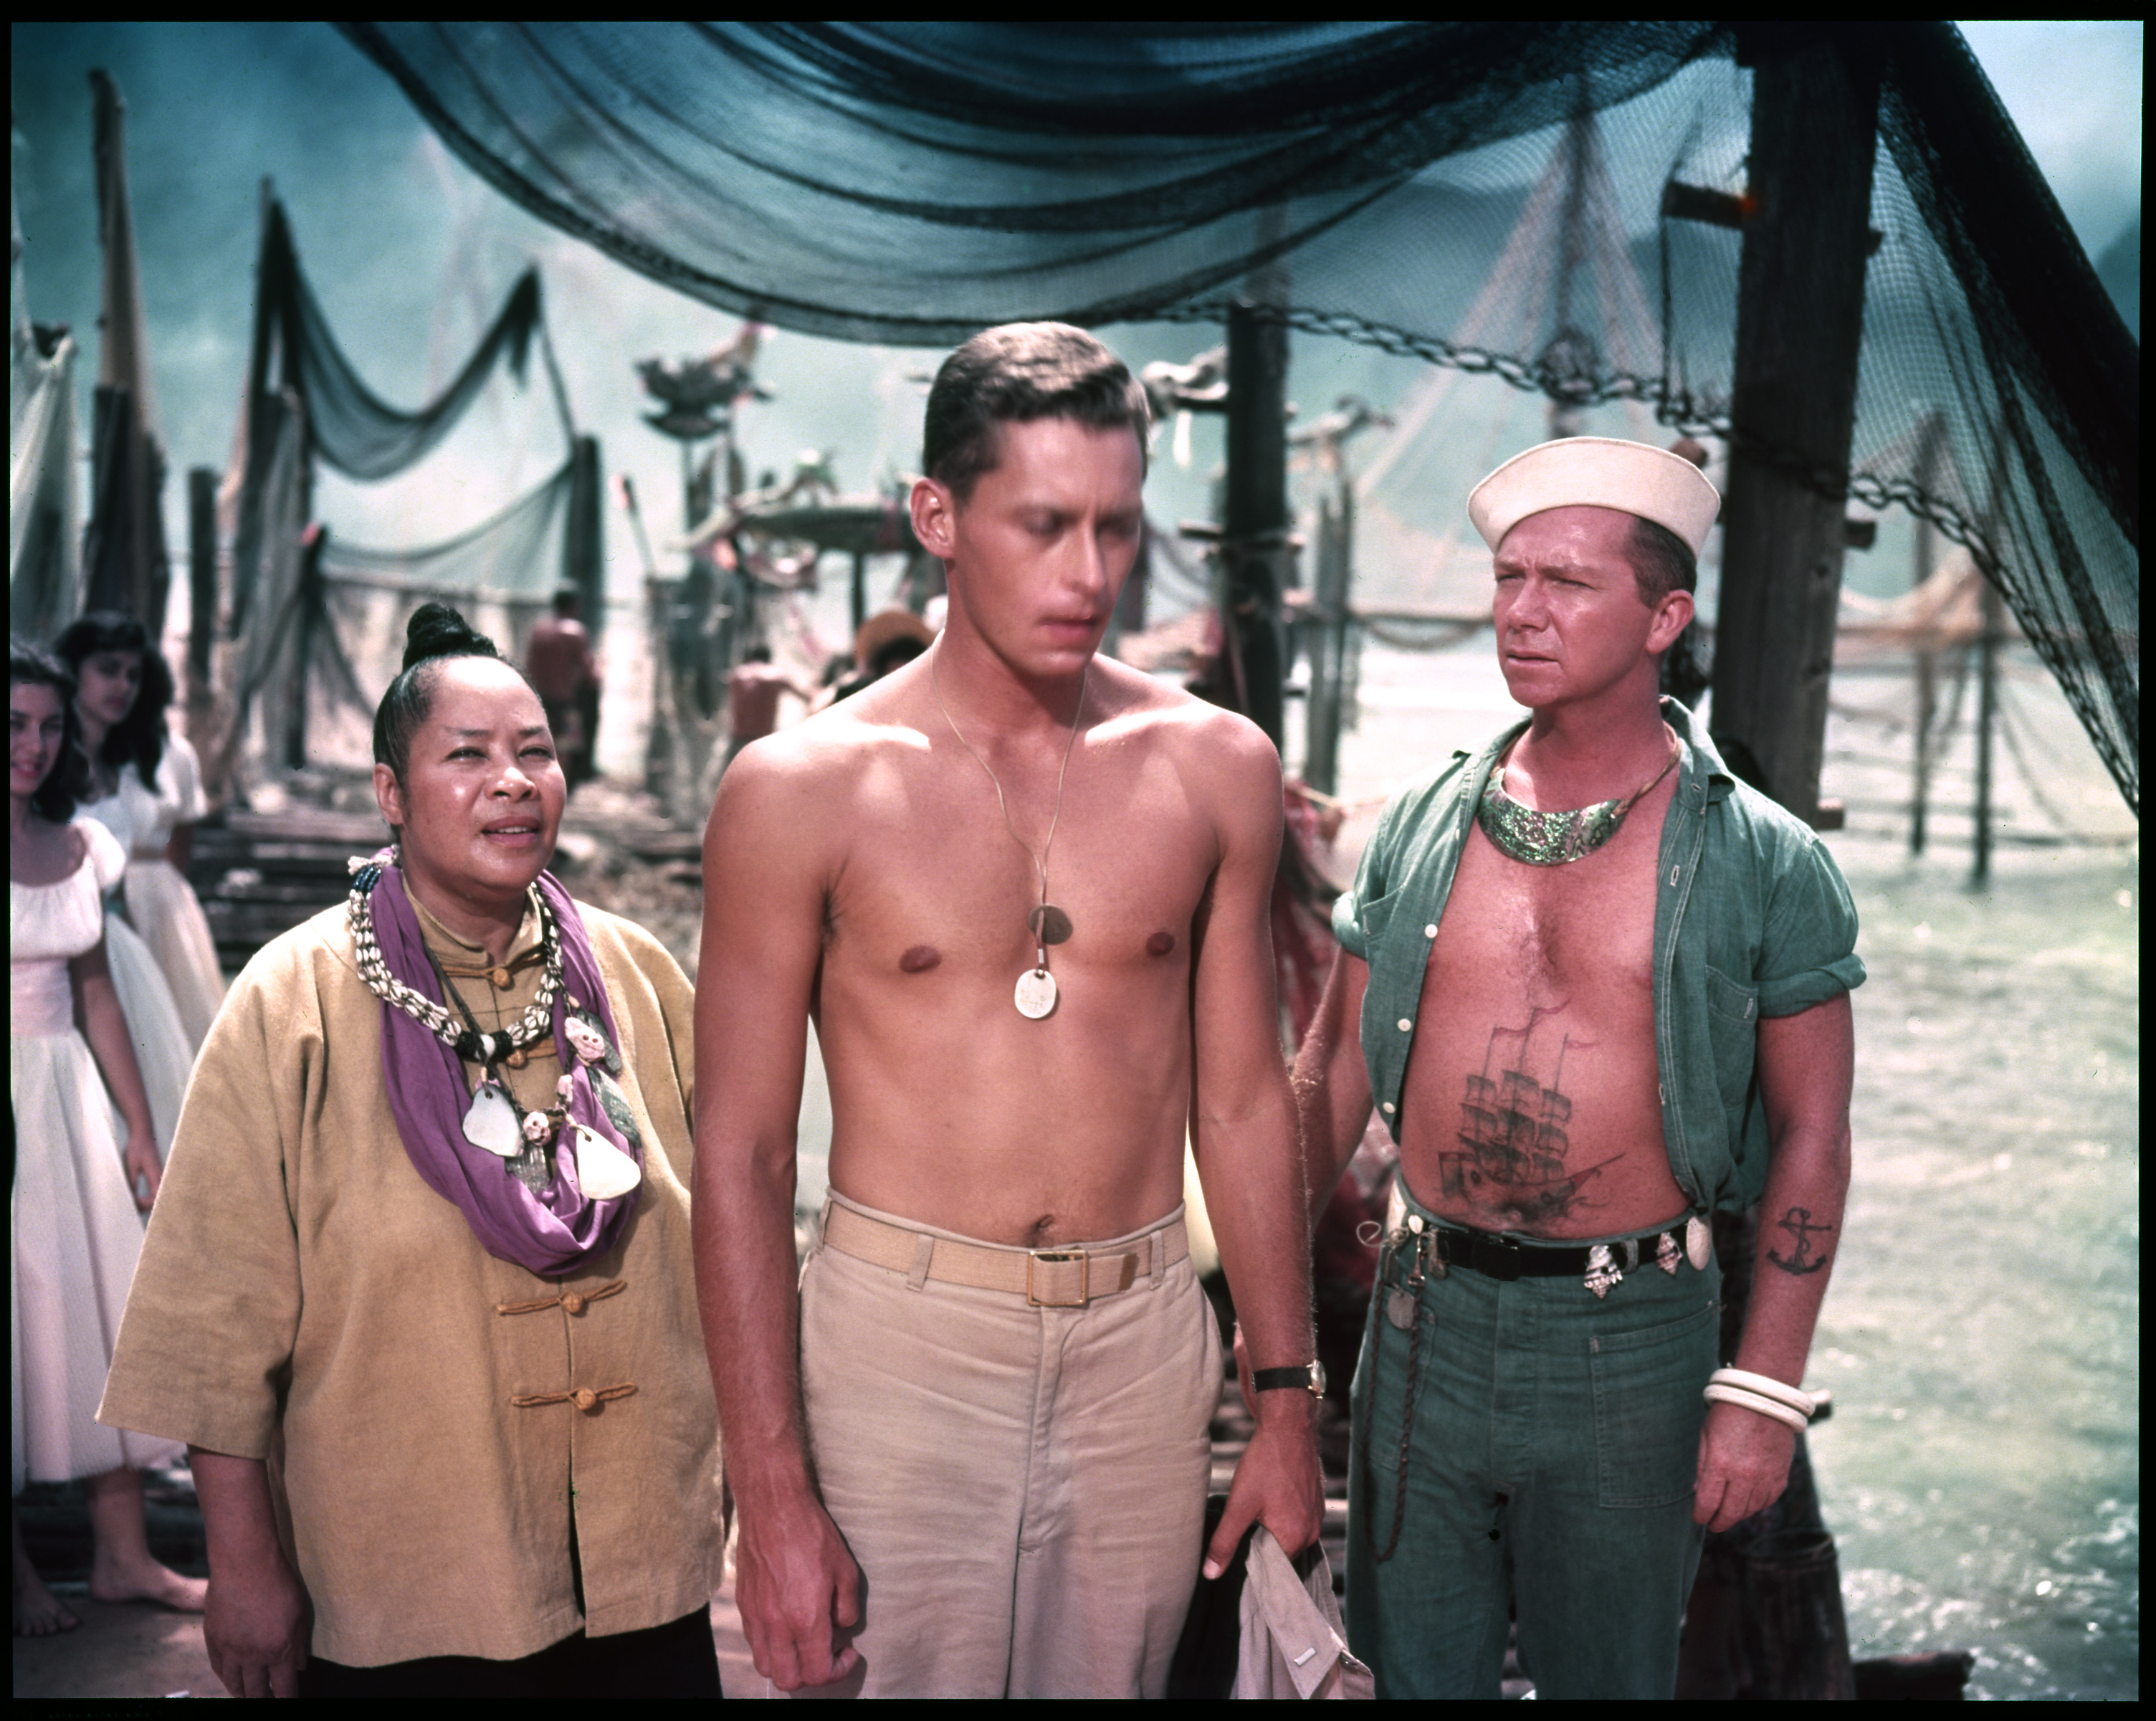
(1036, 993)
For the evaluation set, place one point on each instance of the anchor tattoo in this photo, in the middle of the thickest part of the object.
(1797, 1223)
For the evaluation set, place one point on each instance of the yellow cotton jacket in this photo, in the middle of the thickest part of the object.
(305, 1298)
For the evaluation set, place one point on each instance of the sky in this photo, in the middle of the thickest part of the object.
(412, 254)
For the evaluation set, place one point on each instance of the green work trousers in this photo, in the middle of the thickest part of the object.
(1525, 1447)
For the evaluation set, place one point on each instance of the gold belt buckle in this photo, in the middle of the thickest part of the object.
(1084, 1277)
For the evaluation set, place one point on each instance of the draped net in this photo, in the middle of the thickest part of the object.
(911, 183)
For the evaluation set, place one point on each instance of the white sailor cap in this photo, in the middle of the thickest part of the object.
(1596, 472)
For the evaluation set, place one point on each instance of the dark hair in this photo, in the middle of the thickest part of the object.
(139, 737)
(892, 653)
(68, 781)
(1662, 563)
(757, 654)
(435, 633)
(1015, 374)
(568, 600)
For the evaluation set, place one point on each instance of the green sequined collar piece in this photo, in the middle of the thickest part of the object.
(1545, 839)
(1540, 838)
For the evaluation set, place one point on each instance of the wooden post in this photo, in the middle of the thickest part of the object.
(310, 613)
(1930, 441)
(1800, 323)
(202, 582)
(1987, 718)
(1328, 635)
(1254, 545)
(857, 593)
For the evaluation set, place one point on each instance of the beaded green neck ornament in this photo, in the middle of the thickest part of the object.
(1539, 839)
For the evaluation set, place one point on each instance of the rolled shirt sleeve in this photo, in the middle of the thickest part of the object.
(1808, 948)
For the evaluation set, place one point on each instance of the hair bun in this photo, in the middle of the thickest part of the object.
(436, 630)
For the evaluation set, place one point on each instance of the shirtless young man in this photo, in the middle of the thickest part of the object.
(971, 1458)
(1585, 1040)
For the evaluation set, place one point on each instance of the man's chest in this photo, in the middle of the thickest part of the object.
(1548, 934)
(936, 869)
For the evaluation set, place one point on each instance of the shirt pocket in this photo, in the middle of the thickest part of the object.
(1375, 914)
(1648, 1409)
(1732, 1026)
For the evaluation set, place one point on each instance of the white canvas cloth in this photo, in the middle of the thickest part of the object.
(1293, 1644)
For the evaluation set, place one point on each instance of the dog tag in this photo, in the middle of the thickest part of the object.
(1400, 1308)
(1035, 995)
(491, 1122)
(604, 1171)
(1049, 924)
(1699, 1243)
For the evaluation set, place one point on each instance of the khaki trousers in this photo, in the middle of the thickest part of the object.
(1024, 1488)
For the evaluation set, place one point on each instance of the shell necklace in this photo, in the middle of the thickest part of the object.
(494, 1120)
(1036, 993)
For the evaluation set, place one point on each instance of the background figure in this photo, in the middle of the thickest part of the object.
(147, 791)
(119, 716)
(753, 691)
(565, 671)
(75, 1237)
(886, 639)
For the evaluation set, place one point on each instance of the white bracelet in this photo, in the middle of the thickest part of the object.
(1718, 1394)
(1767, 1386)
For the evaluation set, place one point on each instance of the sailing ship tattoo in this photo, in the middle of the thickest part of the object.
(1800, 1225)
(1511, 1129)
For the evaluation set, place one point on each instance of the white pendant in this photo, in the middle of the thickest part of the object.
(604, 1171)
(1699, 1243)
(491, 1122)
(1035, 996)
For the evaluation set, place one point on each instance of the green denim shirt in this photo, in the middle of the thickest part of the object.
(1752, 918)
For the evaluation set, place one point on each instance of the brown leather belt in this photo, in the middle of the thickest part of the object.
(1047, 1278)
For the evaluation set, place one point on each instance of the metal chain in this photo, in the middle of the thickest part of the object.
(1414, 1283)
(1039, 861)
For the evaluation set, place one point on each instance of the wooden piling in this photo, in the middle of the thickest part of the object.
(1930, 444)
(1254, 543)
(1799, 325)
(1987, 719)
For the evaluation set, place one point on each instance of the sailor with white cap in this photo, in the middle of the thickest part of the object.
(1602, 995)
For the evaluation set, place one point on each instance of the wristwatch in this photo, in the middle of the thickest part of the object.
(1305, 1377)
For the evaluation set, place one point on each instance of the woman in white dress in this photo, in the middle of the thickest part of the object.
(75, 1231)
(146, 791)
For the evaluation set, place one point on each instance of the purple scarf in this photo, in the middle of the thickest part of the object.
(552, 1234)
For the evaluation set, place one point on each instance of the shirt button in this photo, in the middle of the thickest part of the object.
(1387, 1108)
(585, 1398)
(572, 1304)
(1405, 1024)
(500, 979)
(1431, 931)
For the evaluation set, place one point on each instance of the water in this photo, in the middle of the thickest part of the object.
(1982, 1470)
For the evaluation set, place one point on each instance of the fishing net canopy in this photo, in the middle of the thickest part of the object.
(910, 184)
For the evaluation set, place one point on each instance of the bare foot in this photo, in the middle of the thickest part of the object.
(145, 1580)
(39, 1613)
